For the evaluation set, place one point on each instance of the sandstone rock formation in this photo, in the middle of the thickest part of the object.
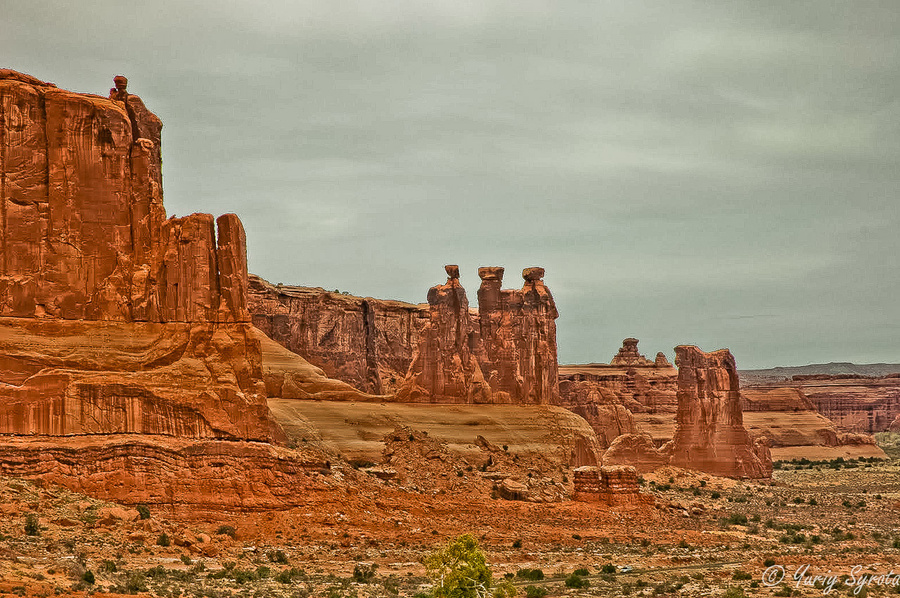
(83, 233)
(600, 407)
(860, 405)
(628, 354)
(518, 329)
(445, 367)
(635, 450)
(115, 321)
(611, 485)
(437, 442)
(503, 353)
(608, 395)
(133, 469)
(639, 384)
(794, 429)
(367, 343)
(289, 376)
(709, 430)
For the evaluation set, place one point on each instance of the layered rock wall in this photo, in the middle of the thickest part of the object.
(614, 485)
(518, 331)
(122, 333)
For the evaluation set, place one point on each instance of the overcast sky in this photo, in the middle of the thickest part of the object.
(723, 174)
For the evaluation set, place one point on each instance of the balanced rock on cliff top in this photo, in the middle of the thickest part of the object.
(503, 353)
(628, 354)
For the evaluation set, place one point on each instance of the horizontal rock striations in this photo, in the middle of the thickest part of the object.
(608, 395)
(134, 469)
(119, 327)
(613, 485)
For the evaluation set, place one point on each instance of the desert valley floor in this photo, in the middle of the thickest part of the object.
(702, 535)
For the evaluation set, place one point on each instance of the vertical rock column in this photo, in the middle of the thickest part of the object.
(709, 429)
(444, 368)
(537, 350)
(499, 359)
(231, 253)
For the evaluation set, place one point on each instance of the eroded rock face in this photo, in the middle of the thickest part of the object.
(636, 450)
(609, 395)
(614, 485)
(135, 469)
(367, 343)
(600, 407)
(518, 332)
(113, 320)
(83, 233)
(628, 354)
(444, 368)
(709, 431)
(503, 353)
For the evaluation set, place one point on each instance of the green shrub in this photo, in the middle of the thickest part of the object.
(226, 530)
(736, 592)
(715, 495)
(768, 562)
(535, 592)
(607, 568)
(363, 573)
(163, 540)
(530, 574)
(88, 577)
(32, 527)
(277, 556)
(143, 511)
(136, 582)
(736, 519)
(582, 571)
(740, 575)
(459, 570)
(577, 581)
(517, 544)
(289, 575)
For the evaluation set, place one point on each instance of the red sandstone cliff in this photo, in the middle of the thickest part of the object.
(858, 405)
(117, 326)
(367, 343)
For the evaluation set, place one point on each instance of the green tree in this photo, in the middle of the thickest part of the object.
(459, 570)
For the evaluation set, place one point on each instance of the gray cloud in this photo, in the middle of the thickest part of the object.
(715, 173)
